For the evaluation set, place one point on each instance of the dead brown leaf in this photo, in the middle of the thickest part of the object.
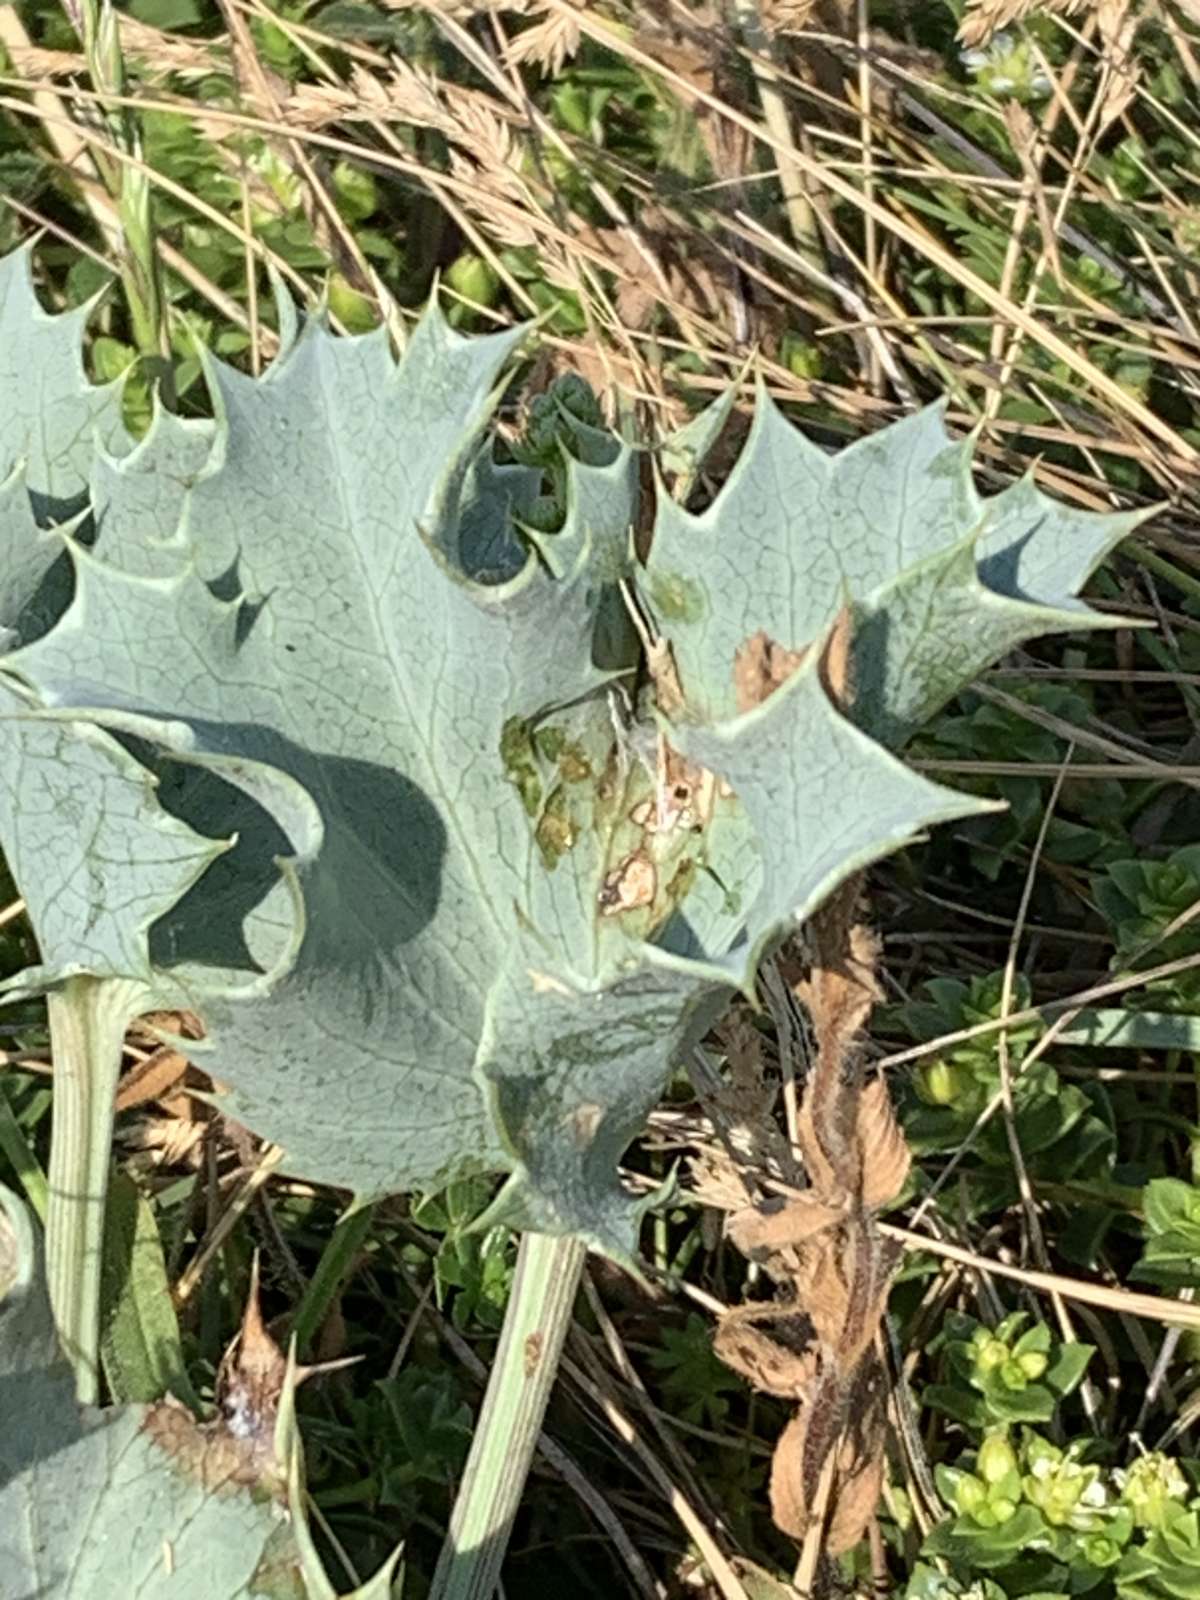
(839, 991)
(771, 1346)
(151, 1079)
(850, 1425)
(823, 1245)
(759, 1232)
(884, 1156)
(249, 1380)
(148, 1029)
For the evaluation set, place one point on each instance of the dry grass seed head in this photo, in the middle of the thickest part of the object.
(551, 40)
(983, 18)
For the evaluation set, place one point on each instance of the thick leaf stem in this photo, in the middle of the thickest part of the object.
(535, 1326)
(88, 1018)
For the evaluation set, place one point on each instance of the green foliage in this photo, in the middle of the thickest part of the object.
(1008, 68)
(692, 1375)
(928, 1582)
(1044, 1518)
(1065, 1129)
(1005, 1375)
(1154, 1488)
(140, 1342)
(1167, 1565)
(414, 1429)
(1031, 1504)
(476, 1265)
(1141, 899)
(1033, 1517)
(1171, 1253)
(1088, 820)
(966, 1075)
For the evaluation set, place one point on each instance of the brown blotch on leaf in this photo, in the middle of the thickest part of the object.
(664, 674)
(209, 1453)
(533, 1353)
(762, 665)
(629, 886)
(837, 660)
(759, 667)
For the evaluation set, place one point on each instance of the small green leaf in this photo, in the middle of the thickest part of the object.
(1066, 1370)
(1171, 1204)
(139, 1339)
(990, 1547)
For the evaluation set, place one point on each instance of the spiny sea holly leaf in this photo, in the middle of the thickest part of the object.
(51, 411)
(97, 858)
(394, 692)
(137, 1499)
(137, 495)
(941, 581)
(823, 799)
(27, 555)
(467, 925)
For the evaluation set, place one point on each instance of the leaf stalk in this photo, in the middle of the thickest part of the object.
(535, 1327)
(88, 1018)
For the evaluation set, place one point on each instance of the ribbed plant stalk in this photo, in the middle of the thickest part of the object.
(88, 1018)
(125, 178)
(523, 1374)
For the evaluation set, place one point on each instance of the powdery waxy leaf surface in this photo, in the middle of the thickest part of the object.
(462, 925)
(97, 858)
(434, 947)
(941, 580)
(51, 412)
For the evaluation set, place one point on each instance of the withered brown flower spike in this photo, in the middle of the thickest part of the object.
(817, 1344)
